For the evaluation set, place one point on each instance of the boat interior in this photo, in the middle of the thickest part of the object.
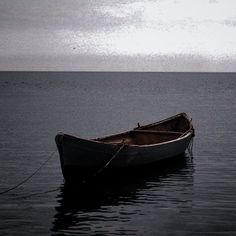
(159, 132)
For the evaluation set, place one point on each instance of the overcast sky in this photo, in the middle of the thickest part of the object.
(161, 35)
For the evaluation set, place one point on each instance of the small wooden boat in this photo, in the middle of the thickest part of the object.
(144, 145)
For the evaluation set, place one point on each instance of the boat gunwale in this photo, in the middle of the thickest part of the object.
(185, 134)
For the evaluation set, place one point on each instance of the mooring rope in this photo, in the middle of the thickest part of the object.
(38, 193)
(29, 177)
(110, 160)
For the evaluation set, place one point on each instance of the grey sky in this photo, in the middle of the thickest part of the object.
(164, 35)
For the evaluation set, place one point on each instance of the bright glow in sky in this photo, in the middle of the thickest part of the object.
(78, 34)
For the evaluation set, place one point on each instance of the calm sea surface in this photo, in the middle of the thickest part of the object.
(190, 197)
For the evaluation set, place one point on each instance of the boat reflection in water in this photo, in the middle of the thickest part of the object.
(138, 203)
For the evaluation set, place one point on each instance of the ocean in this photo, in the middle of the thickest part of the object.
(193, 196)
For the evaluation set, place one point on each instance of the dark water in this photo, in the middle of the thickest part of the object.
(190, 197)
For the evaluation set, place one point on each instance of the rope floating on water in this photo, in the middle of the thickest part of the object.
(29, 177)
(38, 193)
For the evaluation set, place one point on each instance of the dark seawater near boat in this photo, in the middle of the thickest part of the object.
(141, 147)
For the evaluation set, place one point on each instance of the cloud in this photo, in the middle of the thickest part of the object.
(80, 15)
(115, 29)
(230, 22)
